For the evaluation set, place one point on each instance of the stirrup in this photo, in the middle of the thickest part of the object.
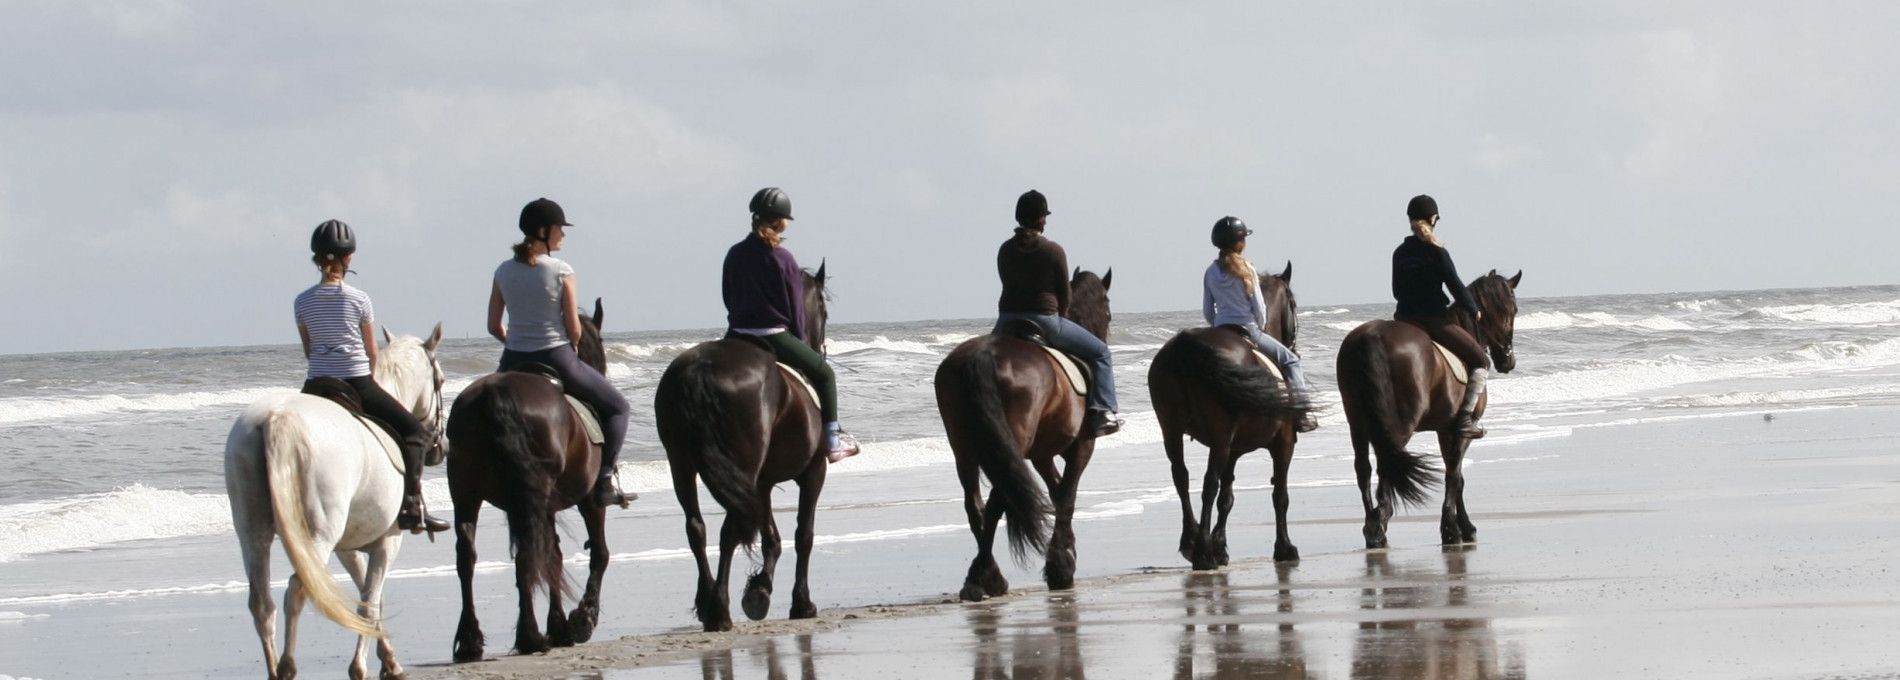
(1100, 423)
(844, 446)
(607, 493)
(1307, 423)
(1467, 427)
(414, 518)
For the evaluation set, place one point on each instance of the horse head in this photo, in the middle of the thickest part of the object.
(1497, 299)
(1282, 310)
(401, 368)
(590, 349)
(815, 313)
(1088, 301)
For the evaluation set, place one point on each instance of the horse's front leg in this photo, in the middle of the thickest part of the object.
(757, 601)
(1362, 466)
(809, 486)
(1059, 571)
(1282, 450)
(1454, 526)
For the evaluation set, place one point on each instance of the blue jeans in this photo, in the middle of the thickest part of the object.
(588, 385)
(1064, 335)
(1288, 361)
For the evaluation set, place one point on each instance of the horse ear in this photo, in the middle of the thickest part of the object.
(1515, 279)
(386, 338)
(435, 338)
(820, 276)
(1073, 274)
(599, 314)
(1494, 272)
(1108, 278)
(1287, 275)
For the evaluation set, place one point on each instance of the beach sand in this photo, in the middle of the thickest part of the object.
(1731, 547)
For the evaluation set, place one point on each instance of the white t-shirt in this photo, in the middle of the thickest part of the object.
(531, 294)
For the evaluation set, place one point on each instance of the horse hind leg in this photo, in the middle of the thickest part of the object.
(707, 602)
(806, 535)
(1226, 506)
(353, 565)
(469, 640)
(985, 579)
(586, 615)
(1059, 572)
(294, 598)
(757, 601)
(1362, 468)
(255, 533)
(1282, 450)
(1172, 441)
(1217, 462)
(528, 636)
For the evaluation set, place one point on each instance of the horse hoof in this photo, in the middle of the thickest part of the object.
(718, 626)
(971, 593)
(805, 610)
(1286, 553)
(580, 624)
(466, 654)
(531, 644)
(1375, 543)
(756, 603)
(357, 673)
(386, 675)
(286, 669)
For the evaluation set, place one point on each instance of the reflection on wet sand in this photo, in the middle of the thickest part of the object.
(1209, 603)
(1399, 637)
(718, 664)
(1036, 650)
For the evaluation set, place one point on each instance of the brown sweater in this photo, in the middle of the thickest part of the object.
(1035, 275)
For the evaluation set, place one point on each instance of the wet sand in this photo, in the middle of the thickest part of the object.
(1722, 548)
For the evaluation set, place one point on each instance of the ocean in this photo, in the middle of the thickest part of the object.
(112, 506)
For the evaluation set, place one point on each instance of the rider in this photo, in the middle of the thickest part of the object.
(764, 292)
(1035, 273)
(1420, 266)
(1230, 296)
(337, 324)
(538, 293)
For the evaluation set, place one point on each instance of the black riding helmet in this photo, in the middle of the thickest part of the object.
(1229, 231)
(333, 240)
(539, 214)
(1031, 206)
(1421, 207)
(771, 203)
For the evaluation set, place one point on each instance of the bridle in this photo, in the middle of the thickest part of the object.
(437, 422)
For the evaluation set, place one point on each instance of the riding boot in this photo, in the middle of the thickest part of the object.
(414, 516)
(607, 490)
(1100, 423)
(1464, 423)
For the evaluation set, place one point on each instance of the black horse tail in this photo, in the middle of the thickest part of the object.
(1404, 476)
(528, 489)
(1241, 388)
(1016, 486)
(707, 416)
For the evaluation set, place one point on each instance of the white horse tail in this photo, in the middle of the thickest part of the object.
(286, 454)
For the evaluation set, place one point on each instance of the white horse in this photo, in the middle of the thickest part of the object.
(302, 468)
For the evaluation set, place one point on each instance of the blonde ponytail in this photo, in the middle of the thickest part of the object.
(1239, 268)
(1423, 230)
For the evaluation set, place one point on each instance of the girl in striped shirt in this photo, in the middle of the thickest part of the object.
(338, 326)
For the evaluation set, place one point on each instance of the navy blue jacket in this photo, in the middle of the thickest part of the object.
(763, 287)
(1421, 272)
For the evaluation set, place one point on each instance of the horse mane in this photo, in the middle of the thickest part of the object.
(1496, 299)
(401, 363)
(1289, 316)
(811, 278)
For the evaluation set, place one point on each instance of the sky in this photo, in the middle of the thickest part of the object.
(162, 163)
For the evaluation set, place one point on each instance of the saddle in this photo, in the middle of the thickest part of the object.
(1076, 371)
(590, 420)
(340, 392)
(1272, 366)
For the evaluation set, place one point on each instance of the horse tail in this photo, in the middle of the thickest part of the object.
(527, 488)
(287, 455)
(1017, 489)
(1244, 388)
(706, 414)
(1404, 476)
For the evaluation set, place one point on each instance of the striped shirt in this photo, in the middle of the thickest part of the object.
(333, 315)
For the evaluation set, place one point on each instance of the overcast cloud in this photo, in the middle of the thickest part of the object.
(162, 163)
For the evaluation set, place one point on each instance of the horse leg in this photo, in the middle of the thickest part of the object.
(353, 565)
(757, 601)
(973, 509)
(468, 634)
(381, 554)
(558, 634)
(1059, 571)
(1217, 455)
(707, 602)
(809, 486)
(1362, 466)
(293, 606)
(1454, 526)
(1282, 450)
(254, 543)
(729, 539)
(1225, 504)
(528, 636)
(986, 578)
(581, 621)
(1172, 441)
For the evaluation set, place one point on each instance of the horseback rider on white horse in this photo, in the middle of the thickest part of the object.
(306, 469)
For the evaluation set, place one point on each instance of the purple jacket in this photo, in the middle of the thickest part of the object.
(763, 288)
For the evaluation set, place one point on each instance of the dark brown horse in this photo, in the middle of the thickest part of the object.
(1007, 406)
(1393, 382)
(727, 413)
(515, 442)
(1206, 384)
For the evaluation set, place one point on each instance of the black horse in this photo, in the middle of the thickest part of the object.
(1205, 383)
(1393, 383)
(727, 413)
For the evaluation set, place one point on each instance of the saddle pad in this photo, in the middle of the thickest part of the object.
(1457, 367)
(1272, 367)
(384, 437)
(589, 421)
(798, 377)
(1077, 380)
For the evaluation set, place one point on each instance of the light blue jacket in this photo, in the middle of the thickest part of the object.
(1224, 300)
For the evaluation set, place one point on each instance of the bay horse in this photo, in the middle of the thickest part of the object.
(1006, 406)
(728, 414)
(516, 443)
(1393, 383)
(1205, 383)
(304, 469)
